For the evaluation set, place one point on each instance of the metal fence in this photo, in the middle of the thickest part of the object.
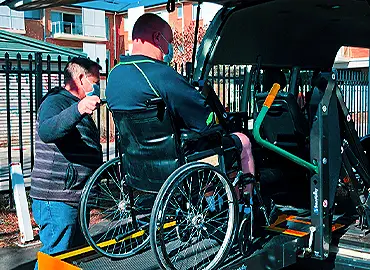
(355, 88)
(23, 82)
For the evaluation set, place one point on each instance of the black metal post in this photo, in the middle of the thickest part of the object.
(195, 39)
(218, 80)
(20, 134)
(60, 71)
(223, 85)
(48, 70)
(320, 183)
(8, 123)
(38, 80)
(107, 129)
(98, 118)
(32, 116)
(115, 130)
(245, 93)
(293, 87)
(368, 98)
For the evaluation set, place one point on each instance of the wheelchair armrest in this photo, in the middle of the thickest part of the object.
(189, 135)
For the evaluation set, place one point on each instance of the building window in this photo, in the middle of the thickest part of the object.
(33, 14)
(107, 28)
(194, 12)
(94, 23)
(11, 19)
(66, 23)
(179, 12)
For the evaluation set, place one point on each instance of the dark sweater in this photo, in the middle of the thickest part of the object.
(127, 89)
(67, 149)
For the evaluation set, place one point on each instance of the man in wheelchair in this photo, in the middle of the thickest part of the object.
(146, 76)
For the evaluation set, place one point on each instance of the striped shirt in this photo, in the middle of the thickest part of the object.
(67, 149)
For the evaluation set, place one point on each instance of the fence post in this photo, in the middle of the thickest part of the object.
(20, 128)
(368, 97)
(38, 80)
(9, 135)
(32, 117)
(245, 94)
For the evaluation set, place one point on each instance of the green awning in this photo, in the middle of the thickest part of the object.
(13, 44)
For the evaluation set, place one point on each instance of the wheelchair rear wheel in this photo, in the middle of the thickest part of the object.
(194, 218)
(114, 218)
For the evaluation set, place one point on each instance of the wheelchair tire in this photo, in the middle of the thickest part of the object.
(244, 234)
(105, 213)
(194, 218)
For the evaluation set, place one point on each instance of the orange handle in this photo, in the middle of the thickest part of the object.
(272, 95)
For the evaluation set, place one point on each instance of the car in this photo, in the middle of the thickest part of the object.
(313, 156)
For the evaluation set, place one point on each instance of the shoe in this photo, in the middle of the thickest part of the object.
(214, 204)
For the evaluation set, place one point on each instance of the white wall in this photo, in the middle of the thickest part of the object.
(11, 19)
(95, 51)
(133, 15)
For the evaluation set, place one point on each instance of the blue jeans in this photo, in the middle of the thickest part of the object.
(59, 226)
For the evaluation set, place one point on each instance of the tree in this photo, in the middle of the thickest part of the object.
(183, 43)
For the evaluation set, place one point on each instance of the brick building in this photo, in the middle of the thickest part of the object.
(81, 29)
(103, 30)
(100, 30)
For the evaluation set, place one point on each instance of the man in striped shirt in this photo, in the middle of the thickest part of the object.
(67, 152)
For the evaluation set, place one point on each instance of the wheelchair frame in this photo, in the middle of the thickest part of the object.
(245, 232)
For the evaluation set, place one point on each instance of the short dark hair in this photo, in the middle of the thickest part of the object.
(77, 65)
(145, 22)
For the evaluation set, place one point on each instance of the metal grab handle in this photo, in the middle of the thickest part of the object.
(256, 132)
(272, 95)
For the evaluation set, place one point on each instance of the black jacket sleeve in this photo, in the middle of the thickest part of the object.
(55, 120)
(186, 102)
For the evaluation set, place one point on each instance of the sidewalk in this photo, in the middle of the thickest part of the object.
(18, 258)
(4, 168)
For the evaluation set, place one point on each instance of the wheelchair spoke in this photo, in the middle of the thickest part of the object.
(199, 237)
(108, 230)
(106, 195)
(119, 187)
(109, 193)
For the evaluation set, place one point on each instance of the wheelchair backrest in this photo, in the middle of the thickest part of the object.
(149, 144)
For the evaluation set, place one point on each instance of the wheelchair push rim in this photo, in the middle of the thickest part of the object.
(201, 237)
(106, 212)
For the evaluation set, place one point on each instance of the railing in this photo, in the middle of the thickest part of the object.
(62, 27)
(23, 82)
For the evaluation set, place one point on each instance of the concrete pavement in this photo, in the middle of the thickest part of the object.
(16, 258)
(4, 168)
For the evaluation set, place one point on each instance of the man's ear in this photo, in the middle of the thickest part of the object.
(80, 77)
(156, 37)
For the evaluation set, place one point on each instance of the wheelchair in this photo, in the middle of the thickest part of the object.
(160, 190)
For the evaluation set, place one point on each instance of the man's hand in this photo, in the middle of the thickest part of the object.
(88, 104)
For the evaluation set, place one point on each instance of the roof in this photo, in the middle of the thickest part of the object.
(14, 43)
(107, 5)
(120, 5)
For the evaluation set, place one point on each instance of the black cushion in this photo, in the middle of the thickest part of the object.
(284, 124)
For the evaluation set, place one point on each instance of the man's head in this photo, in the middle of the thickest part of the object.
(151, 36)
(80, 74)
